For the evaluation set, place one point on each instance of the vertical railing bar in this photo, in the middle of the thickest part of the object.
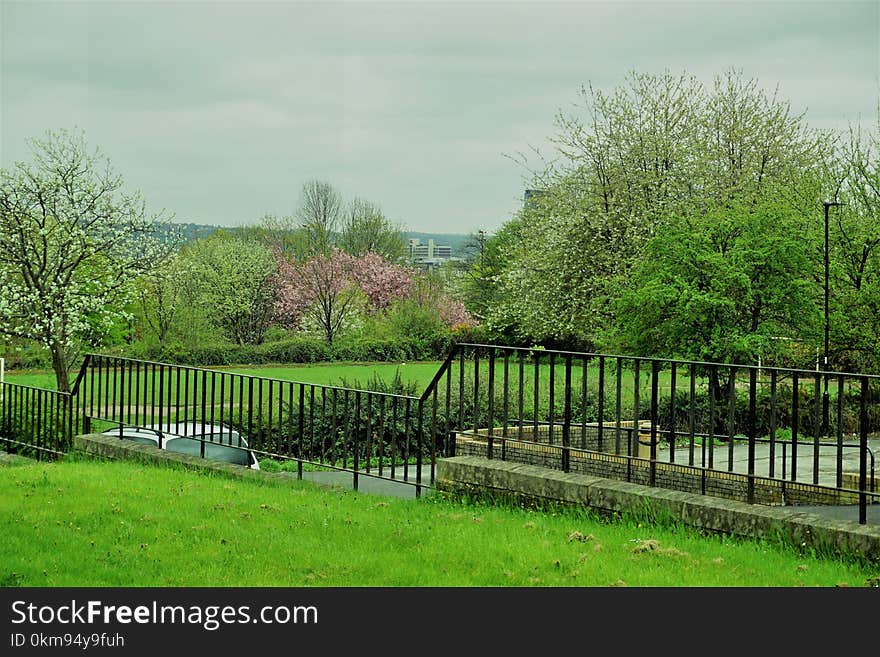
(368, 444)
(692, 417)
(213, 404)
(161, 396)
(382, 429)
(505, 406)
(461, 419)
(203, 409)
(128, 392)
(395, 407)
(308, 453)
(356, 448)
(839, 431)
(566, 420)
(618, 404)
(449, 445)
(250, 413)
(535, 395)
(673, 371)
(655, 383)
(795, 420)
(476, 390)
(863, 451)
(112, 389)
(713, 377)
(491, 392)
(752, 429)
(279, 439)
(407, 424)
(222, 416)
(301, 430)
(334, 429)
(773, 411)
(288, 443)
(419, 448)
(634, 432)
(153, 394)
(584, 398)
(433, 435)
(731, 417)
(817, 427)
(601, 408)
(266, 425)
(551, 409)
(520, 394)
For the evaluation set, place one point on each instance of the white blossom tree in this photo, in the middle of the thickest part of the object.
(72, 241)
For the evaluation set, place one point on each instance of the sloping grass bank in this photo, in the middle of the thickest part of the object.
(85, 523)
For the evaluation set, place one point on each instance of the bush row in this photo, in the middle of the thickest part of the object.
(301, 349)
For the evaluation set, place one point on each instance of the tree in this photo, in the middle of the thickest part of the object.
(731, 286)
(319, 214)
(160, 296)
(367, 230)
(855, 252)
(233, 281)
(71, 244)
(321, 288)
(656, 147)
(330, 289)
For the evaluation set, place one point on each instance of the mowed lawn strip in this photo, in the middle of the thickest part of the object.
(86, 523)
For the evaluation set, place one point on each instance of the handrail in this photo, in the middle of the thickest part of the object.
(255, 377)
(743, 366)
(444, 367)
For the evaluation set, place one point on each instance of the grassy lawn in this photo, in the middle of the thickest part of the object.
(84, 523)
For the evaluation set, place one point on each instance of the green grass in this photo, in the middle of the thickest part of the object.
(84, 523)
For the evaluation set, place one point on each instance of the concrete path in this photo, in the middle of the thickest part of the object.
(805, 462)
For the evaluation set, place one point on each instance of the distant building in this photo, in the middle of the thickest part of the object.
(430, 255)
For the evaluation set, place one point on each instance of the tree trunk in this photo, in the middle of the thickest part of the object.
(59, 366)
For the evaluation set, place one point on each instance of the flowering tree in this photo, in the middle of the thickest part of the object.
(325, 288)
(71, 244)
(382, 281)
(321, 288)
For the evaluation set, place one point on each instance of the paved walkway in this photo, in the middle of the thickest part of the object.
(805, 462)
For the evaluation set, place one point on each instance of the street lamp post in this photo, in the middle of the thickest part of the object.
(826, 205)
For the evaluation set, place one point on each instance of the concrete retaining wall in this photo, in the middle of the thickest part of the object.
(473, 474)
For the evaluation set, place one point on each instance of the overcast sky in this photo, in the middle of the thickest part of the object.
(218, 112)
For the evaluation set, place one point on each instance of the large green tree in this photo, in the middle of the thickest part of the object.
(733, 285)
(72, 240)
(656, 147)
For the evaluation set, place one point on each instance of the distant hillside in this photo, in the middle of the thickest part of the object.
(190, 232)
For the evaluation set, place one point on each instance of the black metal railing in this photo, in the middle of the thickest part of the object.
(367, 432)
(34, 421)
(779, 425)
(767, 424)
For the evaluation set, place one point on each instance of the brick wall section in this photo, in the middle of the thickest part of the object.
(674, 476)
(477, 474)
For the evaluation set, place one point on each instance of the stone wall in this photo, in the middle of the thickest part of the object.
(479, 475)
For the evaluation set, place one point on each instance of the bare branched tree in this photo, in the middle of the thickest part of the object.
(319, 214)
(365, 230)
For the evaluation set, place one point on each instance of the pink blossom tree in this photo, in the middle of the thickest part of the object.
(325, 288)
